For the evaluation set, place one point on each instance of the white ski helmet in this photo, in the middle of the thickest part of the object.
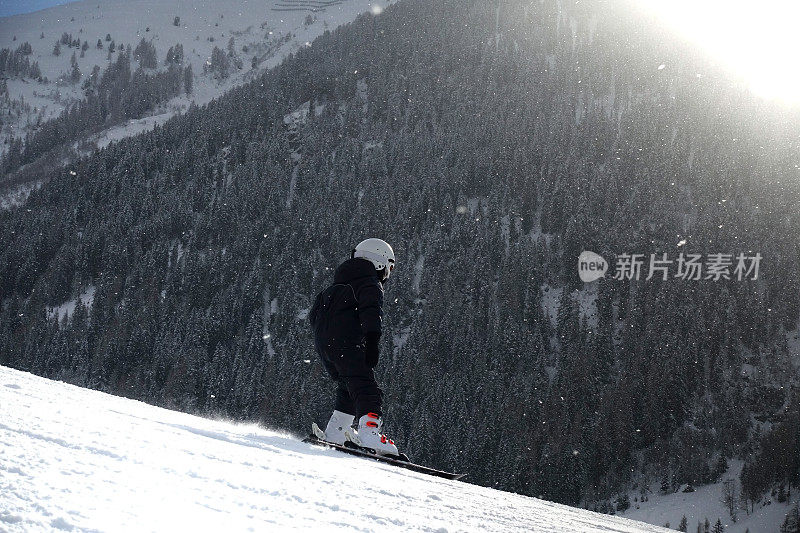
(378, 252)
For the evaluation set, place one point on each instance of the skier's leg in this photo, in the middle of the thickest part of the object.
(368, 398)
(342, 417)
(329, 366)
(344, 402)
(359, 380)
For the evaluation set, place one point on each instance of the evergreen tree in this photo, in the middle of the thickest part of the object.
(188, 79)
(34, 71)
(175, 55)
(220, 64)
(665, 483)
(730, 497)
(145, 54)
(791, 524)
(75, 71)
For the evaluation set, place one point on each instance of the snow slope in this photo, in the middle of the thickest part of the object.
(269, 29)
(73, 459)
(706, 502)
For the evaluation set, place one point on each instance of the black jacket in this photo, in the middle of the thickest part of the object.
(349, 309)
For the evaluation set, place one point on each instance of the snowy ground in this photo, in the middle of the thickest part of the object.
(79, 460)
(16, 195)
(66, 309)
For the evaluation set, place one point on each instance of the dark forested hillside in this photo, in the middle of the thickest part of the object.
(489, 146)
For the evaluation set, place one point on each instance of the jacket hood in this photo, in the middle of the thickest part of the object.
(354, 269)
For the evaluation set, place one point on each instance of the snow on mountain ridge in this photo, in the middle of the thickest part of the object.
(77, 459)
(265, 30)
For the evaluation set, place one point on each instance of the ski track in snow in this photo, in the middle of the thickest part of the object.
(74, 459)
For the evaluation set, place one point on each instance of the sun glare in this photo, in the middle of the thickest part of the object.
(759, 40)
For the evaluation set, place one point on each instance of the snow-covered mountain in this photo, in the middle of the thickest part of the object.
(74, 459)
(264, 32)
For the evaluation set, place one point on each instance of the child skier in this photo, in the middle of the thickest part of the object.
(346, 319)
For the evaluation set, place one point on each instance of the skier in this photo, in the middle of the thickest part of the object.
(346, 319)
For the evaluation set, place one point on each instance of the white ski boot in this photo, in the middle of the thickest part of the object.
(334, 431)
(369, 436)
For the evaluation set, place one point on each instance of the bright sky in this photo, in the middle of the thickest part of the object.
(14, 7)
(758, 39)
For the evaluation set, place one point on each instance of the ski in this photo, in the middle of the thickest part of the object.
(360, 452)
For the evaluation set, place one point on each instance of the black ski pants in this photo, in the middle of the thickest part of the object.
(357, 392)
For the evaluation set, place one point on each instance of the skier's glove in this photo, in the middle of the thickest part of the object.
(372, 350)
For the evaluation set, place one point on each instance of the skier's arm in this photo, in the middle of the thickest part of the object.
(370, 308)
(372, 349)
